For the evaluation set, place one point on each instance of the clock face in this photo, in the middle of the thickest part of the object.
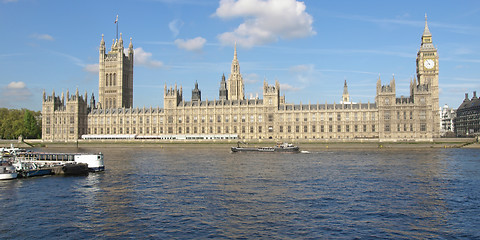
(429, 63)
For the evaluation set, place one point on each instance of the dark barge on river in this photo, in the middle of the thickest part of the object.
(281, 147)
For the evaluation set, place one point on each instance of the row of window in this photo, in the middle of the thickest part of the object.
(406, 127)
(60, 120)
(71, 130)
(219, 118)
(110, 79)
(243, 129)
(403, 115)
(110, 103)
(227, 129)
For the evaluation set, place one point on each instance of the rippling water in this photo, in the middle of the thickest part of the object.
(207, 192)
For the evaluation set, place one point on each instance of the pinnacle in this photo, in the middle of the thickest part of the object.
(426, 31)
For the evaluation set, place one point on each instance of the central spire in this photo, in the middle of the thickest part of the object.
(235, 80)
(235, 52)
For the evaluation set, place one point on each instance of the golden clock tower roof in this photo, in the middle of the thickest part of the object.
(426, 31)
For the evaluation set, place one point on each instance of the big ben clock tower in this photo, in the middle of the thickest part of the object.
(427, 75)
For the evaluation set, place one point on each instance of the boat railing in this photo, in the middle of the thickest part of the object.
(40, 156)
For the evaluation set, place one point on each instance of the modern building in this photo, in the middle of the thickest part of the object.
(467, 121)
(447, 115)
(232, 116)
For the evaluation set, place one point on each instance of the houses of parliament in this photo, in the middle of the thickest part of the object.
(72, 116)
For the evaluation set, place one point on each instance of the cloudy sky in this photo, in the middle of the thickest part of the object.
(309, 46)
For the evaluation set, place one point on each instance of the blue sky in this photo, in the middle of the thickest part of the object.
(310, 47)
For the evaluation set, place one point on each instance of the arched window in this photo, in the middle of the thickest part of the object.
(114, 103)
(114, 79)
(106, 79)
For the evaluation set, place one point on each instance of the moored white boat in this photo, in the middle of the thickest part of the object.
(94, 161)
(7, 171)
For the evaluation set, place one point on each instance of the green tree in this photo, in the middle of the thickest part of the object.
(14, 122)
(31, 128)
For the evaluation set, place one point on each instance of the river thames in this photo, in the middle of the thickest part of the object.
(204, 191)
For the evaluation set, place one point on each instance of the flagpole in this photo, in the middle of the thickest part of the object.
(116, 22)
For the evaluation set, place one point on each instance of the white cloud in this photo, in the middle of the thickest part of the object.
(16, 85)
(265, 21)
(288, 88)
(145, 59)
(195, 44)
(91, 68)
(15, 92)
(175, 26)
(303, 73)
(42, 37)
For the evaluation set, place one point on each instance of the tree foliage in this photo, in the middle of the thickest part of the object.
(14, 122)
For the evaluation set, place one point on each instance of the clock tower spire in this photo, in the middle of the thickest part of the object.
(427, 59)
(427, 36)
(426, 89)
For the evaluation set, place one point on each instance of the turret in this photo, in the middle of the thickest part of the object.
(223, 92)
(102, 46)
(92, 102)
(130, 50)
(392, 83)
(172, 97)
(271, 94)
(120, 43)
(196, 93)
(379, 84)
(345, 95)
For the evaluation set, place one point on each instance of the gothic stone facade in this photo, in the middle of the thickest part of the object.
(232, 116)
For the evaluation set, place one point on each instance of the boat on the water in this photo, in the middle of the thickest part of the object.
(7, 170)
(281, 147)
(93, 161)
(17, 162)
(30, 169)
(71, 169)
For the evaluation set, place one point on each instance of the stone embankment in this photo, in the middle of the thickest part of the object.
(304, 144)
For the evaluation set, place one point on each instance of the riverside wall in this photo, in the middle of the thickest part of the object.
(303, 144)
